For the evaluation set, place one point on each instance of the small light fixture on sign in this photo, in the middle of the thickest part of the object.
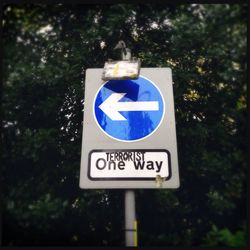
(121, 70)
(125, 69)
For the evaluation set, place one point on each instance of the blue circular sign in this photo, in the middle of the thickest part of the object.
(129, 110)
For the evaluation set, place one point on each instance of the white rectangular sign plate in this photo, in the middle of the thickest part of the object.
(129, 137)
(129, 164)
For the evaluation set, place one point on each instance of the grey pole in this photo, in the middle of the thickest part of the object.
(130, 219)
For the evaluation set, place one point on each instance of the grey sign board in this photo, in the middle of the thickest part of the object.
(129, 135)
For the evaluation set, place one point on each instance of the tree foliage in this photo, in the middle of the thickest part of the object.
(47, 49)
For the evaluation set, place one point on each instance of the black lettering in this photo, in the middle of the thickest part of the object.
(139, 157)
(116, 156)
(150, 165)
(143, 153)
(125, 156)
(120, 156)
(121, 165)
(98, 166)
(107, 156)
(130, 156)
(111, 157)
(110, 164)
(158, 166)
(139, 165)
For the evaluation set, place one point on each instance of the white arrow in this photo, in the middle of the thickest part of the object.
(111, 106)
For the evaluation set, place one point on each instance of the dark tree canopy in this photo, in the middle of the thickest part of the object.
(46, 51)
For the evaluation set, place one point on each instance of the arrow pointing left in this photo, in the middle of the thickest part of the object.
(111, 106)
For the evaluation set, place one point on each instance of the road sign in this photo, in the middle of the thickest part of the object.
(129, 137)
(129, 110)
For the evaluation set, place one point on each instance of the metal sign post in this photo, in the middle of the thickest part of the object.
(130, 219)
